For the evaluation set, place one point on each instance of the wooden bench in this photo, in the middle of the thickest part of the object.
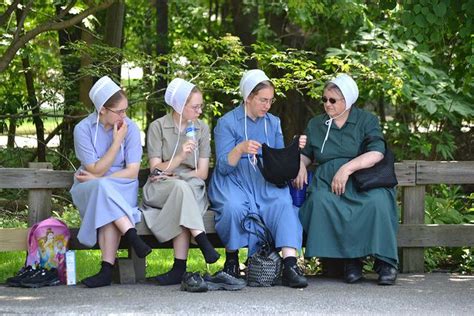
(413, 235)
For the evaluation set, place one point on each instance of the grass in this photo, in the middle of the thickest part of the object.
(88, 262)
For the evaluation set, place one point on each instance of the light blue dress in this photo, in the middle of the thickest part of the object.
(237, 191)
(104, 200)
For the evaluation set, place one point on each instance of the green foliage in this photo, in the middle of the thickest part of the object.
(70, 215)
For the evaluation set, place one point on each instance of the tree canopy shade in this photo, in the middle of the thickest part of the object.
(413, 61)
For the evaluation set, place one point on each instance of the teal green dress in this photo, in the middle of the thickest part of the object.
(354, 224)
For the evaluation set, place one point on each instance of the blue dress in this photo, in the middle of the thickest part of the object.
(237, 191)
(106, 199)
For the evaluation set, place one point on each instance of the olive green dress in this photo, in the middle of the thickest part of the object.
(354, 224)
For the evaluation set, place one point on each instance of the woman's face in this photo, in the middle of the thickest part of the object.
(193, 108)
(260, 103)
(333, 109)
(112, 115)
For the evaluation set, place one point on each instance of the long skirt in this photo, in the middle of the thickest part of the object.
(102, 201)
(171, 204)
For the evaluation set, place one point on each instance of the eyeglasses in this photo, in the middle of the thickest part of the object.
(331, 100)
(266, 101)
(196, 107)
(119, 112)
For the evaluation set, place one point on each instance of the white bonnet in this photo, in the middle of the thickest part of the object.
(250, 80)
(348, 87)
(102, 90)
(177, 93)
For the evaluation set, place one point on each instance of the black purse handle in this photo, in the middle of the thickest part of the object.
(266, 236)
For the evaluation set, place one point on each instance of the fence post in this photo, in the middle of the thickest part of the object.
(39, 200)
(413, 212)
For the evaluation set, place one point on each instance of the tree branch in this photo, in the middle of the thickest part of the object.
(46, 27)
(19, 25)
(5, 16)
(63, 13)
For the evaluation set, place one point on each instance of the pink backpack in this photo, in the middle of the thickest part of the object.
(47, 244)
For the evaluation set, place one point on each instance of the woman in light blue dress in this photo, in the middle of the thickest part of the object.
(105, 187)
(237, 187)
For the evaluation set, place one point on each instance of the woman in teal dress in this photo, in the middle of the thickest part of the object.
(339, 221)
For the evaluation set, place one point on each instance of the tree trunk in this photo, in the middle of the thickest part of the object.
(70, 65)
(245, 20)
(11, 133)
(155, 105)
(114, 24)
(33, 101)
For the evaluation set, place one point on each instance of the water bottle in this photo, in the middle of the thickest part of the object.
(191, 130)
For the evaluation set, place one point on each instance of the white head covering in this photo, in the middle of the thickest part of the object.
(177, 93)
(101, 91)
(250, 80)
(349, 91)
(348, 87)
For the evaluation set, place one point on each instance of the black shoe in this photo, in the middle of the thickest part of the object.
(293, 277)
(387, 273)
(21, 275)
(224, 281)
(193, 282)
(352, 270)
(231, 267)
(42, 277)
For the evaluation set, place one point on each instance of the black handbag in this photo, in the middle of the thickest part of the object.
(280, 165)
(265, 265)
(381, 175)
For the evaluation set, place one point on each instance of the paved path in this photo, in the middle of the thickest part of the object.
(414, 294)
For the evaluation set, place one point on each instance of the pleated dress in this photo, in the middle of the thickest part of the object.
(354, 224)
(171, 204)
(235, 191)
(106, 199)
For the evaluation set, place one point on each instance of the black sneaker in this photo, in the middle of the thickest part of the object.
(293, 277)
(42, 277)
(193, 282)
(224, 281)
(24, 273)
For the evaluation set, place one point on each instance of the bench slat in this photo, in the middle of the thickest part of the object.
(432, 235)
(27, 178)
(446, 172)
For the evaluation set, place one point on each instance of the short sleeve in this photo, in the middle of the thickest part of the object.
(308, 148)
(225, 140)
(83, 145)
(133, 147)
(204, 141)
(372, 128)
(155, 140)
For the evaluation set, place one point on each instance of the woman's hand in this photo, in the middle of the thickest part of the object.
(84, 176)
(339, 181)
(188, 147)
(249, 147)
(302, 177)
(302, 141)
(163, 176)
(120, 131)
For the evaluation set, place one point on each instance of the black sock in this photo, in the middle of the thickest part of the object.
(175, 275)
(103, 278)
(209, 253)
(289, 262)
(231, 265)
(140, 247)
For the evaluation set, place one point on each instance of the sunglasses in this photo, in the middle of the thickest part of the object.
(331, 100)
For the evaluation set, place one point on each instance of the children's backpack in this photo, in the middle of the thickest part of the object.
(47, 245)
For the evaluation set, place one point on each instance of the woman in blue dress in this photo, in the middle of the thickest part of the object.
(341, 222)
(105, 188)
(237, 187)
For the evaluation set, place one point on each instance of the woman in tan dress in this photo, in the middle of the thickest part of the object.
(175, 196)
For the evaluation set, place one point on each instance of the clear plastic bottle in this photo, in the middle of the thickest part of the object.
(191, 130)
